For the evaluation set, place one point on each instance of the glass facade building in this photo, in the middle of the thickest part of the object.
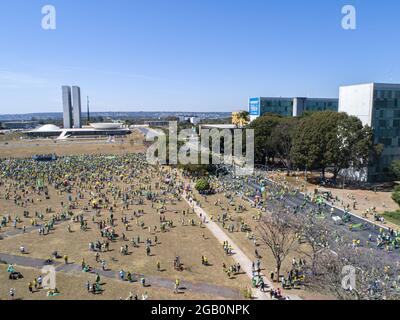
(315, 104)
(289, 106)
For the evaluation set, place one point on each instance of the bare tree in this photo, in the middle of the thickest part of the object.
(374, 274)
(338, 268)
(315, 233)
(278, 235)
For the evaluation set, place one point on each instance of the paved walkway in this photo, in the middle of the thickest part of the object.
(18, 231)
(239, 256)
(153, 281)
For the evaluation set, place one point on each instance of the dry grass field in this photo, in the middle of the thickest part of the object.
(73, 287)
(188, 242)
(184, 241)
(23, 148)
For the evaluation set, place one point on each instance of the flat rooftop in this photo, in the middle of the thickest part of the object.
(219, 126)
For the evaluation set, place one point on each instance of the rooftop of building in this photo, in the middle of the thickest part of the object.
(286, 98)
(219, 126)
(376, 84)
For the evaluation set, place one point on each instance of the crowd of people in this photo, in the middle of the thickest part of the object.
(97, 193)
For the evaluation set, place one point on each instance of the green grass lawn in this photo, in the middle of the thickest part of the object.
(393, 217)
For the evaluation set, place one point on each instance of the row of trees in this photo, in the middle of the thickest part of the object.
(314, 141)
(335, 266)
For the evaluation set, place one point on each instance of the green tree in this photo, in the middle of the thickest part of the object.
(243, 118)
(263, 126)
(331, 139)
(309, 142)
(396, 195)
(355, 144)
(281, 141)
(395, 167)
(202, 185)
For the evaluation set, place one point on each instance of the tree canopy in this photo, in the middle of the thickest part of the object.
(263, 127)
(315, 141)
(202, 185)
(331, 139)
(396, 168)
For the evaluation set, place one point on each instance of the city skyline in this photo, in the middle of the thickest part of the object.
(181, 56)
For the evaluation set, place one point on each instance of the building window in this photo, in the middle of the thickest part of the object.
(385, 141)
(382, 123)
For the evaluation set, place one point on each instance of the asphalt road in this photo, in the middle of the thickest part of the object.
(295, 200)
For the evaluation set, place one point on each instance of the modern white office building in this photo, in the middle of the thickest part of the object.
(67, 107)
(71, 107)
(378, 106)
(76, 107)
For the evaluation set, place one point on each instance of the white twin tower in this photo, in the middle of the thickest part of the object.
(72, 107)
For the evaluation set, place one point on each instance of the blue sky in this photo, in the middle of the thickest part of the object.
(192, 55)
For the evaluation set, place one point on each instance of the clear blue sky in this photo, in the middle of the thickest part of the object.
(193, 55)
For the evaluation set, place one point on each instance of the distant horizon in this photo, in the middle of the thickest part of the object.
(111, 111)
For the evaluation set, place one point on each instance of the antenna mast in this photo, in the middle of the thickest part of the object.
(88, 112)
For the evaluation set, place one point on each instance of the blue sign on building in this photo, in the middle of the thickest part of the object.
(254, 106)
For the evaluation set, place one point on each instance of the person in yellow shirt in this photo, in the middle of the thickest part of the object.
(176, 288)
